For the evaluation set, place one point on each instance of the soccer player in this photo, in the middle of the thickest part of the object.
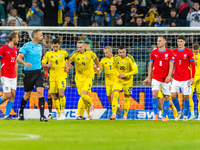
(30, 56)
(55, 61)
(159, 75)
(84, 61)
(125, 67)
(107, 63)
(184, 62)
(195, 48)
(8, 55)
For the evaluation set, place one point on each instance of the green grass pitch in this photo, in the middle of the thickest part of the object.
(99, 135)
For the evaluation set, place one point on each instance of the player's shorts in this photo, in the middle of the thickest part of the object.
(86, 85)
(197, 86)
(8, 84)
(109, 89)
(56, 85)
(33, 78)
(127, 88)
(165, 88)
(160, 94)
(185, 87)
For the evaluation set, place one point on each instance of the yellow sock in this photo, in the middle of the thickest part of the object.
(62, 103)
(191, 102)
(115, 102)
(57, 105)
(172, 107)
(84, 108)
(87, 100)
(80, 107)
(161, 111)
(126, 106)
(87, 108)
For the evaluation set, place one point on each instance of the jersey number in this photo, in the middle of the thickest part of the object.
(83, 63)
(160, 63)
(110, 67)
(56, 62)
(122, 68)
(179, 62)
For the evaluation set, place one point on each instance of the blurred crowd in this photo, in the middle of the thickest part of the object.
(137, 13)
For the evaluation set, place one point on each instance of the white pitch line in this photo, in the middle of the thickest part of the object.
(22, 136)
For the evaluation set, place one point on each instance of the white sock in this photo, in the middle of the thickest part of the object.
(199, 114)
(192, 113)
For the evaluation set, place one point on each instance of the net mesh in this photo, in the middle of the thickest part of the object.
(139, 43)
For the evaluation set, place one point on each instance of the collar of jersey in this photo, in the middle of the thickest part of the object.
(161, 51)
(59, 49)
(10, 47)
(181, 50)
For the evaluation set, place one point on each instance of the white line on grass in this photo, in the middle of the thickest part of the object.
(19, 136)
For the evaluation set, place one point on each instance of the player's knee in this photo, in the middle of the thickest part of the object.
(61, 95)
(8, 96)
(186, 98)
(116, 95)
(40, 93)
(27, 96)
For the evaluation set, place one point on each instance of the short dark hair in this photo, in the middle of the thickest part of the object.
(55, 41)
(181, 37)
(118, 18)
(86, 42)
(164, 37)
(34, 32)
(113, 5)
(10, 22)
(195, 46)
(12, 35)
(153, 5)
(121, 47)
(94, 21)
(173, 9)
(133, 6)
(67, 15)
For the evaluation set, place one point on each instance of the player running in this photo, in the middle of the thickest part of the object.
(125, 67)
(55, 61)
(184, 62)
(84, 61)
(195, 48)
(9, 67)
(160, 68)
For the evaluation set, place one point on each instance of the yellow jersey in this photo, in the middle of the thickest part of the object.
(57, 70)
(84, 64)
(126, 66)
(197, 66)
(108, 65)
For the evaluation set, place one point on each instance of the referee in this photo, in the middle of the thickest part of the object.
(30, 55)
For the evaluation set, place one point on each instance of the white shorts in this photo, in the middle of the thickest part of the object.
(185, 87)
(165, 88)
(8, 84)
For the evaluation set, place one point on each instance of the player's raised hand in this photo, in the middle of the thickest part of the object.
(144, 82)
(167, 80)
(50, 64)
(29, 65)
(192, 81)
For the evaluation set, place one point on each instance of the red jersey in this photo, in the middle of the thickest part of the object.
(183, 59)
(8, 59)
(161, 61)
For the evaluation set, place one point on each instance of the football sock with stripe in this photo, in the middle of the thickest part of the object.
(8, 108)
(57, 105)
(41, 105)
(23, 104)
(186, 108)
(165, 108)
(49, 101)
(1, 102)
(176, 104)
(155, 105)
(126, 106)
(115, 102)
(62, 103)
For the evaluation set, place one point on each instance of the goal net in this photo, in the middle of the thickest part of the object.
(138, 41)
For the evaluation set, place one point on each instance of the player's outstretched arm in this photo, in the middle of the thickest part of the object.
(145, 81)
(171, 68)
(47, 65)
(150, 72)
(21, 60)
(98, 66)
(16, 69)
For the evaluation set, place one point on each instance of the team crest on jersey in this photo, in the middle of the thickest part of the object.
(82, 58)
(117, 62)
(86, 57)
(16, 52)
(51, 57)
(105, 63)
(60, 55)
(185, 55)
(56, 55)
(109, 62)
(78, 59)
(125, 62)
(166, 56)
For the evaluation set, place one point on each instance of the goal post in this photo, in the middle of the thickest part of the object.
(139, 41)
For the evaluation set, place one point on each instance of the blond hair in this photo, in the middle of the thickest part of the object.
(108, 48)
(12, 11)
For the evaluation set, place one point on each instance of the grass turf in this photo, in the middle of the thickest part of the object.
(100, 134)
